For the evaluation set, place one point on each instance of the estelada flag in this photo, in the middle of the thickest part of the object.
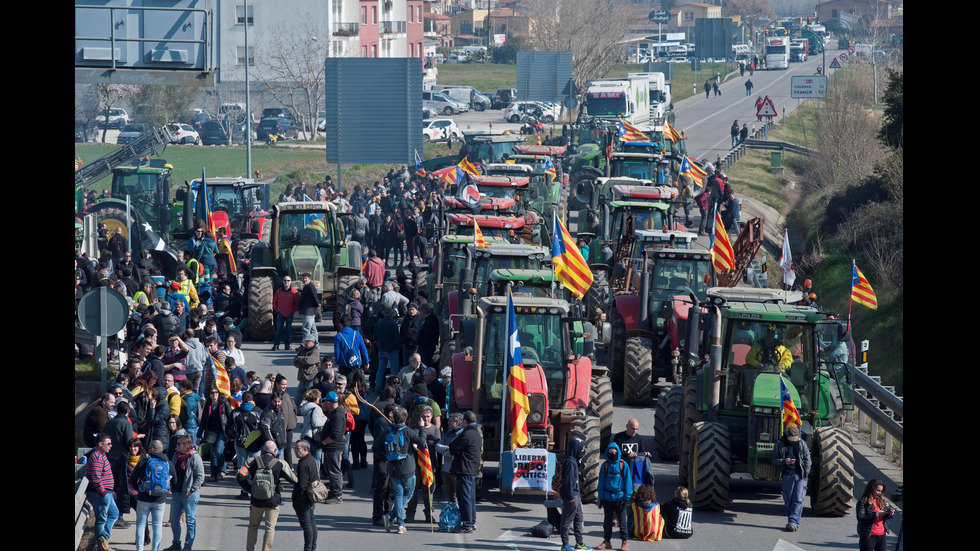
(791, 416)
(648, 524)
(454, 176)
(221, 381)
(519, 407)
(478, 240)
(549, 168)
(468, 167)
(722, 254)
(693, 171)
(224, 247)
(861, 291)
(670, 133)
(204, 216)
(418, 165)
(425, 465)
(630, 133)
(570, 266)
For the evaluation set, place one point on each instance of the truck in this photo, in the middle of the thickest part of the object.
(777, 52)
(798, 49)
(626, 98)
(661, 106)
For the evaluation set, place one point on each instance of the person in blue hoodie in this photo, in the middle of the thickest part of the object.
(615, 489)
(571, 498)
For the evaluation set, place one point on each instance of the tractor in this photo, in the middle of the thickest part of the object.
(238, 205)
(729, 413)
(304, 237)
(564, 387)
(480, 148)
(148, 189)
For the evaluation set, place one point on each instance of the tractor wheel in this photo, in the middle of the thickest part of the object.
(616, 349)
(832, 474)
(587, 428)
(113, 217)
(343, 287)
(601, 405)
(666, 422)
(243, 250)
(711, 456)
(261, 320)
(580, 199)
(638, 371)
(596, 294)
(689, 416)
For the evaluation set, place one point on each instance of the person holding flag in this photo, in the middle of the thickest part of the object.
(571, 269)
(419, 170)
(792, 457)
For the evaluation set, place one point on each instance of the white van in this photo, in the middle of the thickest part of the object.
(465, 94)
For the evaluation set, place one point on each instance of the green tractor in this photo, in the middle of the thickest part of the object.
(304, 237)
(565, 389)
(479, 148)
(728, 414)
(148, 187)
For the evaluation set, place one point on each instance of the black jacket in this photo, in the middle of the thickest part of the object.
(335, 429)
(677, 519)
(569, 469)
(309, 300)
(306, 473)
(467, 449)
(866, 517)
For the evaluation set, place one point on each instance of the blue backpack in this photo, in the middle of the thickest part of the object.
(396, 447)
(449, 520)
(156, 480)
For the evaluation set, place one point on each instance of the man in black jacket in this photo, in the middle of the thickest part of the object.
(247, 477)
(467, 449)
(308, 307)
(333, 445)
(306, 474)
(272, 423)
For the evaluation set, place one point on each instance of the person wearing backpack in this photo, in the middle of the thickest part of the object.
(244, 419)
(153, 477)
(400, 445)
(188, 479)
(262, 478)
(615, 489)
(349, 347)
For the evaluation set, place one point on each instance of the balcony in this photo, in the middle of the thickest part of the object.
(346, 29)
(391, 27)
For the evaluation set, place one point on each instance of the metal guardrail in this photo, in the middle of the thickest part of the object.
(878, 403)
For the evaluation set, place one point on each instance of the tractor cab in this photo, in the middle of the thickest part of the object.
(642, 166)
(238, 205)
(148, 188)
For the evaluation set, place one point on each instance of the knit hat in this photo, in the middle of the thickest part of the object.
(446, 372)
(420, 388)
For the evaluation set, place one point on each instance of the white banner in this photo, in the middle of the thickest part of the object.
(531, 469)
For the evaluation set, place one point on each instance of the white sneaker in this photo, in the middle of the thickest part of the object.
(401, 530)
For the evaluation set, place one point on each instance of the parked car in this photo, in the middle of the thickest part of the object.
(428, 113)
(85, 131)
(503, 97)
(117, 118)
(183, 133)
(442, 103)
(130, 132)
(198, 119)
(281, 126)
(279, 113)
(441, 130)
(516, 111)
(212, 133)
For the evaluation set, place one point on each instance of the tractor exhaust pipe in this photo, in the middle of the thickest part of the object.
(715, 363)
(692, 343)
(644, 290)
(478, 361)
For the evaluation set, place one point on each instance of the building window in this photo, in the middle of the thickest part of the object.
(363, 15)
(374, 15)
(364, 51)
(411, 50)
(240, 14)
(374, 50)
(240, 54)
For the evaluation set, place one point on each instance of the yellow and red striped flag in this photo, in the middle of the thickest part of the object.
(791, 415)
(648, 524)
(468, 167)
(722, 254)
(221, 381)
(570, 266)
(519, 407)
(670, 133)
(861, 291)
(478, 235)
(630, 133)
(690, 169)
(425, 465)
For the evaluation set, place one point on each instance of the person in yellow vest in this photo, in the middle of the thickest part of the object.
(194, 267)
(648, 524)
(187, 287)
(145, 296)
(768, 351)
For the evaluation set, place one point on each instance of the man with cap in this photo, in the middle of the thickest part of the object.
(333, 446)
(409, 329)
(792, 458)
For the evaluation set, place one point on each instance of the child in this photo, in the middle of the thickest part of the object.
(615, 489)
(571, 499)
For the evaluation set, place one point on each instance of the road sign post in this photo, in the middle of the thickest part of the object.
(103, 311)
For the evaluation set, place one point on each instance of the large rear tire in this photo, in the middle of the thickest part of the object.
(711, 469)
(580, 198)
(601, 405)
(587, 428)
(113, 217)
(638, 371)
(261, 320)
(690, 415)
(832, 474)
(666, 423)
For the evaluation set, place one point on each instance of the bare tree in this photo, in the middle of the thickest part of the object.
(752, 12)
(291, 66)
(110, 95)
(592, 30)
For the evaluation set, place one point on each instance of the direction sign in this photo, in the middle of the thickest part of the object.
(767, 109)
(659, 16)
(808, 87)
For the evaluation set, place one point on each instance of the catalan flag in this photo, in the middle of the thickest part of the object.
(225, 248)
(204, 217)
(630, 133)
(418, 165)
(693, 171)
(519, 407)
(478, 241)
(315, 221)
(791, 416)
(570, 266)
(648, 523)
(549, 168)
(425, 466)
(722, 254)
(221, 380)
(670, 133)
(466, 166)
(861, 291)
(454, 176)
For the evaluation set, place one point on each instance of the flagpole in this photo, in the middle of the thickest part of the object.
(554, 275)
(850, 296)
(503, 394)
